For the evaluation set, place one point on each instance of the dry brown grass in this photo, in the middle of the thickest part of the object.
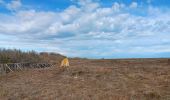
(139, 79)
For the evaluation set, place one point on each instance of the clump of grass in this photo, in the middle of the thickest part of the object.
(151, 95)
(3, 92)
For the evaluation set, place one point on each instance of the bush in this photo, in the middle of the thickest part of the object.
(18, 56)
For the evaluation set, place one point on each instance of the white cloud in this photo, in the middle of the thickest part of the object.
(14, 5)
(81, 31)
(133, 5)
(88, 5)
(116, 6)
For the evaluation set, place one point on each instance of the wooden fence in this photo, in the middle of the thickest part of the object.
(11, 67)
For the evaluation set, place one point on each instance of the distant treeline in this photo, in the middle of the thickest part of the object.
(18, 56)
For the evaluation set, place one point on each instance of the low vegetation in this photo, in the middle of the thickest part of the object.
(18, 56)
(105, 79)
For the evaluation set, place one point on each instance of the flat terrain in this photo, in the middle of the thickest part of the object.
(126, 79)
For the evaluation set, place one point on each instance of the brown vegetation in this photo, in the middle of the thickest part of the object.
(18, 56)
(126, 79)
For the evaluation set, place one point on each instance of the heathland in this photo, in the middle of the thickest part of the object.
(90, 79)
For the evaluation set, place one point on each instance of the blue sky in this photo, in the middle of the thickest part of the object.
(87, 28)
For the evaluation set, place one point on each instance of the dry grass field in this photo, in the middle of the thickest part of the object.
(126, 79)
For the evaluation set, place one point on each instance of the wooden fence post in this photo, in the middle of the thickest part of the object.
(5, 71)
(8, 67)
(1, 69)
(18, 67)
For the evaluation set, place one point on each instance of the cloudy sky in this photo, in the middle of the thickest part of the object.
(87, 28)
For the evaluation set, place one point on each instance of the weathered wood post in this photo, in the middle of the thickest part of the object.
(19, 66)
(1, 69)
(8, 67)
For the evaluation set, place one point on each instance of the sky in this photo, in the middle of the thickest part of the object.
(87, 28)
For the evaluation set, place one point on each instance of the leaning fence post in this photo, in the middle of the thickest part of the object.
(19, 66)
(8, 68)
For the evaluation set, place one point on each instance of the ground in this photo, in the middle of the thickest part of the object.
(105, 79)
